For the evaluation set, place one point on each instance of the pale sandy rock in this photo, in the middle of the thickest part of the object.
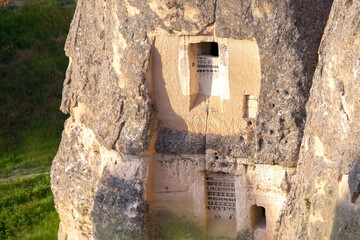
(328, 169)
(83, 177)
(178, 106)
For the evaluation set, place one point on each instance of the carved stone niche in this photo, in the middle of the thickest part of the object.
(203, 86)
(207, 87)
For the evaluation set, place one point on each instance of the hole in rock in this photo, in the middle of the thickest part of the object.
(204, 75)
(258, 217)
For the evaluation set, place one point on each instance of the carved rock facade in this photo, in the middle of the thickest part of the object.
(193, 112)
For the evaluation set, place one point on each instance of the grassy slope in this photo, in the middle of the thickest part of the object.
(32, 69)
(27, 209)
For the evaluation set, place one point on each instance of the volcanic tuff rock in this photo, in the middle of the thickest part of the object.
(100, 175)
(328, 173)
(109, 47)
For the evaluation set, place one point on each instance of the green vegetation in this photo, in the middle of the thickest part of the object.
(34, 154)
(27, 209)
(307, 203)
(32, 70)
(168, 226)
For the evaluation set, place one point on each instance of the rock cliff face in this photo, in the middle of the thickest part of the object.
(328, 174)
(145, 141)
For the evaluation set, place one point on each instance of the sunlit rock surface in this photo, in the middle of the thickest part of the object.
(328, 172)
(187, 119)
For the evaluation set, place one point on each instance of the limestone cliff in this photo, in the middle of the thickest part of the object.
(146, 136)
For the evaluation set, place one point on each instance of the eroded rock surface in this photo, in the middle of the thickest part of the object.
(328, 169)
(92, 184)
(119, 167)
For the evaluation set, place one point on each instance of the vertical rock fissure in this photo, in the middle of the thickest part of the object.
(206, 123)
(215, 10)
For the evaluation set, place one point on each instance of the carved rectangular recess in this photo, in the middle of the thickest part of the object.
(250, 106)
(221, 198)
(205, 68)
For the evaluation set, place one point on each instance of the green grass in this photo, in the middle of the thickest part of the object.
(27, 209)
(168, 226)
(33, 154)
(32, 70)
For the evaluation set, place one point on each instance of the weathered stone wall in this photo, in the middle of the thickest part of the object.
(208, 122)
(288, 35)
(178, 186)
(109, 45)
(92, 184)
(103, 172)
(328, 176)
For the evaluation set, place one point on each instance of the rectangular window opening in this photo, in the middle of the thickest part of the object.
(214, 49)
(204, 71)
(207, 48)
(258, 217)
